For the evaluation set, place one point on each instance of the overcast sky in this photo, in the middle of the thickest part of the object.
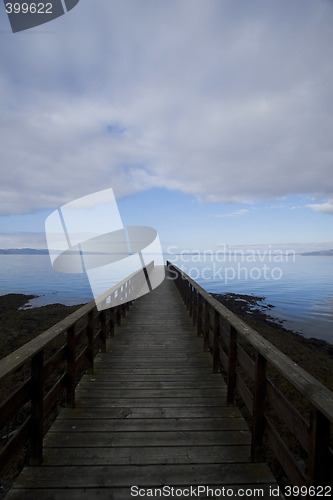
(208, 118)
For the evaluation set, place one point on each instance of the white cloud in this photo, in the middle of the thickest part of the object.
(236, 213)
(327, 207)
(223, 100)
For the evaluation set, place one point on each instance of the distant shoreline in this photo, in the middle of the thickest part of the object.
(24, 251)
(45, 251)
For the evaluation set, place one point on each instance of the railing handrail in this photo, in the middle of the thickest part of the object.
(24, 354)
(313, 390)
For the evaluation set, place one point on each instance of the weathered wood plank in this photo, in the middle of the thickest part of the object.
(150, 384)
(147, 455)
(155, 374)
(102, 493)
(149, 424)
(145, 475)
(144, 394)
(144, 412)
(154, 438)
(148, 402)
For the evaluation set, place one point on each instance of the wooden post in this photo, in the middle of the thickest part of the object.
(231, 381)
(71, 366)
(185, 286)
(195, 307)
(206, 327)
(90, 335)
(103, 330)
(258, 424)
(319, 457)
(37, 409)
(188, 296)
(216, 344)
(118, 315)
(182, 286)
(112, 321)
(199, 315)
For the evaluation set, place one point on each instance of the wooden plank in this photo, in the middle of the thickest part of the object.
(123, 475)
(150, 384)
(104, 493)
(244, 392)
(14, 445)
(154, 412)
(246, 362)
(14, 403)
(288, 414)
(149, 424)
(155, 371)
(141, 354)
(281, 451)
(146, 455)
(153, 375)
(154, 438)
(143, 394)
(54, 394)
(148, 402)
(54, 362)
(166, 365)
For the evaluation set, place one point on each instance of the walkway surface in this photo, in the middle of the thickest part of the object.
(152, 415)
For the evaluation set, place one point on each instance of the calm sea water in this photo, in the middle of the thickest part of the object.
(300, 288)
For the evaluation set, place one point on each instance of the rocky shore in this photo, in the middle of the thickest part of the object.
(18, 325)
(314, 355)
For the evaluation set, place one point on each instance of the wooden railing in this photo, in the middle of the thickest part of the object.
(250, 363)
(53, 362)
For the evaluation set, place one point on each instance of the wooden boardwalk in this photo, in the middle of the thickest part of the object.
(151, 415)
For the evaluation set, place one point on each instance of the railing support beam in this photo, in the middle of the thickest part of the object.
(37, 410)
(103, 330)
(90, 347)
(258, 423)
(319, 457)
(71, 365)
(216, 342)
(231, 381)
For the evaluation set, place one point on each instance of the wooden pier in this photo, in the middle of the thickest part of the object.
(153, 410)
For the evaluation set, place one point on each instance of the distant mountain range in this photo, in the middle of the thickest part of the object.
(319, 252)
(24, 251)
(44, 251)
